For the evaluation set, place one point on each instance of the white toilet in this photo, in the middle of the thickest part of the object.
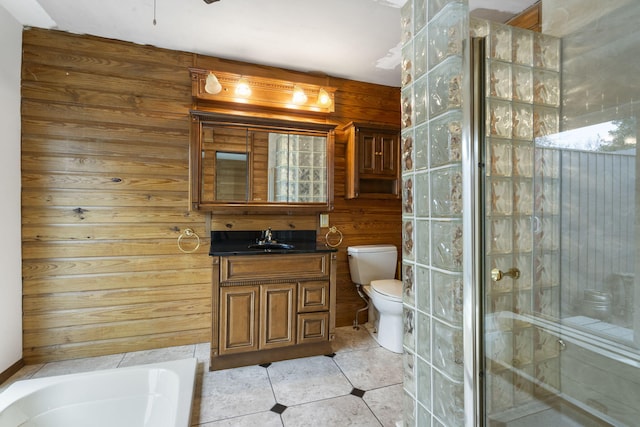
(374, 267)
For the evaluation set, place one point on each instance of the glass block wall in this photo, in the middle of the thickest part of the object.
(522, 103)
(522, 213)
(298, 170)
(432, 71)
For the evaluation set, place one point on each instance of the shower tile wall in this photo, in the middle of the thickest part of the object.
(522, 104)
(432, 35)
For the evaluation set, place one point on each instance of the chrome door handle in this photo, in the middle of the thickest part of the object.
(497, 274)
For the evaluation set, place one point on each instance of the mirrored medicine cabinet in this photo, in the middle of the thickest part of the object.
(256, 164)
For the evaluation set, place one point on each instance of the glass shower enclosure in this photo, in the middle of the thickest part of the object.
(560, 322)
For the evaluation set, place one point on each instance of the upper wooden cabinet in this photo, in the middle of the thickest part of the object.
(257, 164)
(373, 161)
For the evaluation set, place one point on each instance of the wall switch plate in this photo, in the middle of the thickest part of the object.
(324, 220)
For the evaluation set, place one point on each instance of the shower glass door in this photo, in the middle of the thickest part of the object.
(561, 320)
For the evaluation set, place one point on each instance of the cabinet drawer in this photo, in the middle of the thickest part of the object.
(261, 267)
(313, 327)
(313, 296)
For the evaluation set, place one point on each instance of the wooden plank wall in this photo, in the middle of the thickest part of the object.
(105, 195)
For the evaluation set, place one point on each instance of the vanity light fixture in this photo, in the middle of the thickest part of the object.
(212, 84)
(219, 86)
(299, 97)
(242, 88)
(324, 99)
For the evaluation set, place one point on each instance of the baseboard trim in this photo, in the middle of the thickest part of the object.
(8, 373)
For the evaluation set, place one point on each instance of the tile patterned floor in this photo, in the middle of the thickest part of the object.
(360, 385)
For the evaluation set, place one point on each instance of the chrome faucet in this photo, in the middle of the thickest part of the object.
(267, 236)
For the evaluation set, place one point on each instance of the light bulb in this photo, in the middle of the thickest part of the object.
(299, 97)
(212, 85)
(242, 88)
(324, 99)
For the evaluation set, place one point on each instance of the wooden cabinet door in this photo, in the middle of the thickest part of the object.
(368, 153)
(378, 154)
(277, 314)
(388, 157)
(238, 319)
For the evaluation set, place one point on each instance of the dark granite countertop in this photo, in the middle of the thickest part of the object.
(224, 243)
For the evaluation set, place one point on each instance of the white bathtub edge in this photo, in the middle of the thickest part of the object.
(184, 368)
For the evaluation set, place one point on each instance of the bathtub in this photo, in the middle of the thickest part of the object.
(155, 395)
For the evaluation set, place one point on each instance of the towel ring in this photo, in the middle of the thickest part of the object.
(333, 230)
(188, 233)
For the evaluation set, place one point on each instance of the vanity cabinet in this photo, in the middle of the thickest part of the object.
(373, 161)
(271, 307)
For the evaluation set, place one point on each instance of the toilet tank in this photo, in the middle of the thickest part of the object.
(372, 262)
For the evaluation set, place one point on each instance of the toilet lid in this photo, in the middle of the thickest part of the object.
(389, 287)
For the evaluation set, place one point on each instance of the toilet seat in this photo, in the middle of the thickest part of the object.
(389, 288)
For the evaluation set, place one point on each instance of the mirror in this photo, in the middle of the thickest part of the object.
(231, 171)
(260, 163)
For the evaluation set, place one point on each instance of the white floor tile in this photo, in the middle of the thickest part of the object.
(349, 339)
(158, 355)
(306, 380)
(385, 403)
(370, 369)
(262, 419)
(340, 411)
(231, 393)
